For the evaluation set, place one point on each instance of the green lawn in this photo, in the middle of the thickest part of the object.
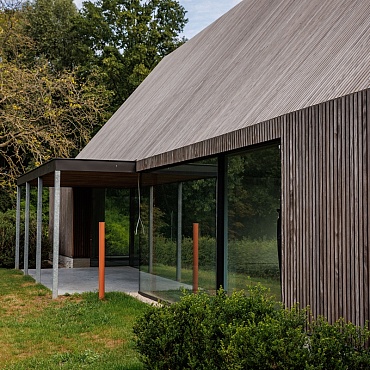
(77, 331)
(72, 332)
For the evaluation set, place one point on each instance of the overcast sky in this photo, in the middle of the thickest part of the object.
(200, 13)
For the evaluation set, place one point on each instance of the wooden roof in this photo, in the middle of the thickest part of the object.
(259, 61)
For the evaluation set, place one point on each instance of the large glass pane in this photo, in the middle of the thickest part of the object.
(167, 258)
(253, 180)
(113, 207)
(117, 220)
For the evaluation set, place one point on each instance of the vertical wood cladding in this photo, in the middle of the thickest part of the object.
(325, 201)
(325, 205)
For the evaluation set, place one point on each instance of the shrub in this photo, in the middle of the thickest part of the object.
(7, 240)
(245, 331)
(338, 346)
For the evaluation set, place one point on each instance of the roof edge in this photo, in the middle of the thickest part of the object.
(81, 165)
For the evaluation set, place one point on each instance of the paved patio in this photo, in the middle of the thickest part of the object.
(117, 279)
(78, 280)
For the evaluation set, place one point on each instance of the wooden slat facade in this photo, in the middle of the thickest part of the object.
(325, 208)
(325, 201)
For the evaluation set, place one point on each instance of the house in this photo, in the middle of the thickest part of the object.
(274, 94)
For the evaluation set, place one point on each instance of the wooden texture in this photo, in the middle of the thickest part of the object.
(325, 193)
(66, 220)
(325, 201)
(261, 60)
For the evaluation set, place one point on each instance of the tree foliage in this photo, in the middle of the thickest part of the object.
(43, 116)
(43, 113)
(64, 71)
(51, 24)
(127, 38)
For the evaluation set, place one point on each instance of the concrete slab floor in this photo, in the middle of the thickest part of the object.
(79, 280)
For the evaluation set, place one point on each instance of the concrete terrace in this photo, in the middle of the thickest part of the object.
(117, 279)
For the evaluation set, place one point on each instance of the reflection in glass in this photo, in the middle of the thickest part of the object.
(117, 221)
(253, 180)
(166, 263)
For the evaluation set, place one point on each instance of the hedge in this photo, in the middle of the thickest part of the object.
(245, 331)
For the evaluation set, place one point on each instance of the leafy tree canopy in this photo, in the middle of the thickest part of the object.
(127, 39)
(64, 71)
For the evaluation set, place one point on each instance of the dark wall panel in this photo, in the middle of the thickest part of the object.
(325, 198)
(82, 222)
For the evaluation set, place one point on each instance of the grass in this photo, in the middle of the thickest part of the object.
(72, 332)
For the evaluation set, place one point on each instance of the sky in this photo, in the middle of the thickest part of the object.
(200, 13)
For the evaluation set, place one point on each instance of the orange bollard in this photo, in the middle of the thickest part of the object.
(195, 256)
(101, 260)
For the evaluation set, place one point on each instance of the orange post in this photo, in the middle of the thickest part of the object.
(195, 256)
(101, 260)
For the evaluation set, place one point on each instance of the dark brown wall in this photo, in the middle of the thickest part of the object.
(82, 222)
(325, 208)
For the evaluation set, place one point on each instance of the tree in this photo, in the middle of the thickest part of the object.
(43, 116)
(127, 38)
(53, 27)
(62, 70)
(14, 43)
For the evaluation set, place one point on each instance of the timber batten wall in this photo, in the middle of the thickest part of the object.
(325, 201)
(325, 208)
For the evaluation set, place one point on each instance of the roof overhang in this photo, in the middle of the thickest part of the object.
(91, 173)
(84, 173)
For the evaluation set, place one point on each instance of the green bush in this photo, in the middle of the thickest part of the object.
(245, 331)
(117, 236)
(254, 257)
(7, 240)
(338, 346)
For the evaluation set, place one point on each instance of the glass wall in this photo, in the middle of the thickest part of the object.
(168, 212)
(253, 196)
(113, 207)
(172, 200)
(117, 222)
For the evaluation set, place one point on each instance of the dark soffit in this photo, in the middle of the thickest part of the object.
(111, 174)
(84, 173)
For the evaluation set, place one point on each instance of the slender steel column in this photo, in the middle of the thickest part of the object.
(18, 227)
(151, 223)
(132, 252)
(179, 231)
(26, 229)
(221, 264)
(39, 229)
(56, 232)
